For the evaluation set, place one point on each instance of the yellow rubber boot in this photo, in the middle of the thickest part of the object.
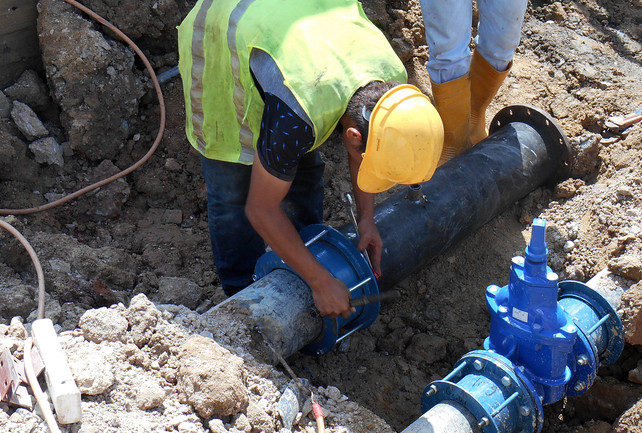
(484, 83)
(452, 100)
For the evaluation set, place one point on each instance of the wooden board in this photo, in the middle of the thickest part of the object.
(19, 49)
(17, 14)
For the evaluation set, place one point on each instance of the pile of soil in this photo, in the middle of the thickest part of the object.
(136, 252)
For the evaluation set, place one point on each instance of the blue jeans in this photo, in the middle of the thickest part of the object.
(236, 246)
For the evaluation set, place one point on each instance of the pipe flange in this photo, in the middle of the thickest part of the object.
(526, 409)
(584, 368)
(547, 127)
(341, 258)
(613, 325)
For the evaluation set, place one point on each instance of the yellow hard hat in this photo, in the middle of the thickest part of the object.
(405, 138)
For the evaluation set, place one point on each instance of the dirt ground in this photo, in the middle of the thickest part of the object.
(579, 60)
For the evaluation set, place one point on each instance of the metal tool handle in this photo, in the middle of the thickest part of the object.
(348, 203)
(374, 298)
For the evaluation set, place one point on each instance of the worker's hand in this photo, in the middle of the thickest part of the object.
(370, 239)
(332, 298)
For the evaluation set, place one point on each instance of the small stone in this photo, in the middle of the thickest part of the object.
(27, 121)
(242, 423)
(217, 426)
(187, 427)
(47, 151)
(569, 246)
(635, 375)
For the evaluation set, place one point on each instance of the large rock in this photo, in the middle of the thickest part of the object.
(92, 79)
(627, 266)
(143, 318)
(47, 151)
(212, 378)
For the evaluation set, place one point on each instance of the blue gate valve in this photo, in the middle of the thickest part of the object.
(342, 259)
(527, 325)
(547, 340)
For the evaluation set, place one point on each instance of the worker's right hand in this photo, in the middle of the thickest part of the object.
(332, 298)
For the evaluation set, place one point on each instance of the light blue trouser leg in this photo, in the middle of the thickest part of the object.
(448, 32)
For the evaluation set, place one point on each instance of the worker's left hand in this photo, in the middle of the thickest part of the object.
(370, 239)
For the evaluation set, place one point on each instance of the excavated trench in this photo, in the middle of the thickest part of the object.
(147, 234)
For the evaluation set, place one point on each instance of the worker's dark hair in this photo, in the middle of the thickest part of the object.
(363, 102)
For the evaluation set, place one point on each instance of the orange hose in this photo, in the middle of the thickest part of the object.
(36, 264)
(125, 172)
(318, 415)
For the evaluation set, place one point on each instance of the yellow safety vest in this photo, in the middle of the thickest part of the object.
(325, 49)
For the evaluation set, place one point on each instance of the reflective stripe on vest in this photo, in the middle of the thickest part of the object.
(322, 66)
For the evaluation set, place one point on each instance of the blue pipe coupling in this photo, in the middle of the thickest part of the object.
(341, 258)
(549, 336)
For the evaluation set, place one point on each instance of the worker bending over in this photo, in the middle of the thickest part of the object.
(463, 85)
(266, 82)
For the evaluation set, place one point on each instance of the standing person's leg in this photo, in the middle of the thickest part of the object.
(236, 246)
(448, 33)
(499, 31)
(304, 202)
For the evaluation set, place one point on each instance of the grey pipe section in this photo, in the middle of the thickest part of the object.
(446, 417)
(525, 150)
(278, 305)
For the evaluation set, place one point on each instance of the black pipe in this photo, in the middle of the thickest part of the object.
(525, 150)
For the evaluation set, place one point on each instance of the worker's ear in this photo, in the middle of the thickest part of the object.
(353, 133)
(353, 141)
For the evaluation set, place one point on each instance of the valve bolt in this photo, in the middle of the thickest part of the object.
(579, 386)
(524, 411)
(582, 360)
(484, 422)
(432, 391)
(478, 364)
(506, 381)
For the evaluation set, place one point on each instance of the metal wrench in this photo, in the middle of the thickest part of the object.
(348, 202)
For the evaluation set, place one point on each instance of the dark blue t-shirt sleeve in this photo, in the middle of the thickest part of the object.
(283, 140)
